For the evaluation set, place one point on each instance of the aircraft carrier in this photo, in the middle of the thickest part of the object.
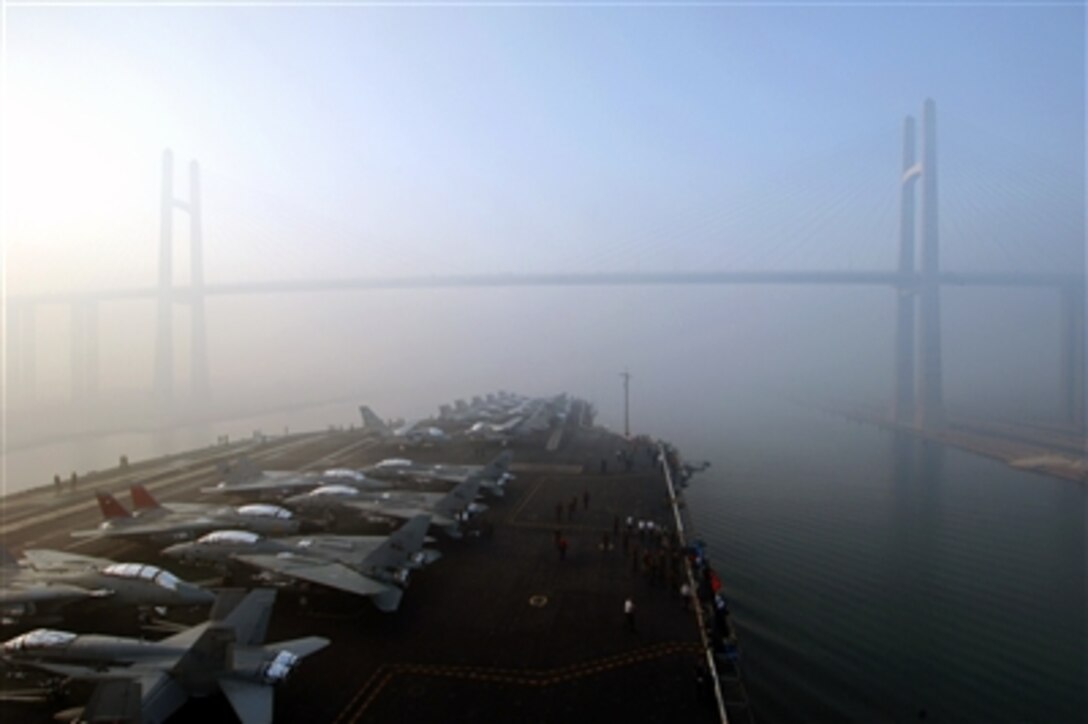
(501, 628)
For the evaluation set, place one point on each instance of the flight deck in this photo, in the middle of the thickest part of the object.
(506, 626)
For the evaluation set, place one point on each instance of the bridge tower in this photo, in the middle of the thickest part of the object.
(929, 401)
(906, 291)
(918, 396)
(168, 296)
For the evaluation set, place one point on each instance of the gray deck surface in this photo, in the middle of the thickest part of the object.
(467, 645)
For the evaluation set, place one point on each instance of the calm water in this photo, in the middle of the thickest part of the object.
(873, 577)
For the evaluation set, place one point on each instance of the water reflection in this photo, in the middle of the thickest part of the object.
(877, 577)
(916, 469)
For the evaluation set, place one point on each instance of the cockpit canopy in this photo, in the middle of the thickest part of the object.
(344, 473)
(39, 638)
(263, 510)
(228, 537)
(393, 463)
(140, 571)
(335, 490)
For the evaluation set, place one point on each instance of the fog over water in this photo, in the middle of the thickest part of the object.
(871, 577)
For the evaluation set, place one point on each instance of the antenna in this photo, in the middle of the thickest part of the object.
(626, 402)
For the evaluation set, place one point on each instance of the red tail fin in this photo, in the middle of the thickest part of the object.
(110, 507)
(141, 499)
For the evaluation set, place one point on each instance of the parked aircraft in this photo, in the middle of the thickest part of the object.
(224, 654)
(41, 585)
(447, 510)
(494, 432)
(24, 598)
(156, 524)
(247, 481)
(373, 566)
(493, 476)
(409, 434)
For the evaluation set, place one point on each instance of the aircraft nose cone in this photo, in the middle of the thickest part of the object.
(197, 596)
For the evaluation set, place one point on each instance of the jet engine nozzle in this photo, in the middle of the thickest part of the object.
(280, 667)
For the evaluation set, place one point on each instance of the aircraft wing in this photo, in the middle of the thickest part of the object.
(117, 700)
(301, 648)
(252, 702)
(161, 696)
(445, 475)
(151, 696)
(388, 511)
(331, 574)
(180, 527)
(264, 487)
(45, 559)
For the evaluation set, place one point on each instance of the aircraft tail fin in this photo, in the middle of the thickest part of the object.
(252, 702)
(388, 601)
(372, 422)
(111, 508)
(142, 499)
(210, 652)
(497, 467)
(226, 600)
(401, 544)
(457, 500)
(243, 470)
(249, 618)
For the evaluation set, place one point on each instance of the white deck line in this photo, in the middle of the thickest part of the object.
(696, 604)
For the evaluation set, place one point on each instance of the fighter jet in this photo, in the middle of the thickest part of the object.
(493, 476)
(245, 480)
(224, 654)
(156, 524)
(377, 567)
(494, 432)
(410, 434)
(26, 598)
(269, 517)
(447, 510)
(40, 587)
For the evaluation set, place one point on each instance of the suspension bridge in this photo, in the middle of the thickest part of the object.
(917, 280)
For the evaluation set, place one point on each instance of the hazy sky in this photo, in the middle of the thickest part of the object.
(359, 141)
(364, 140)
